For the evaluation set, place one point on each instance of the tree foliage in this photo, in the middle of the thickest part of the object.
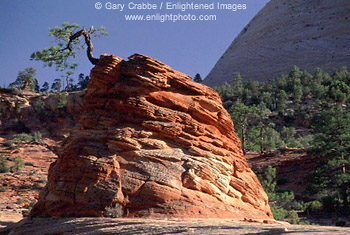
(331, 127)
(279, 200)
(278, 113)
(26, 80)
(68, 44)
(298, 110)
(45, 88)
(198, 78)
(56, 85)
(83, 81)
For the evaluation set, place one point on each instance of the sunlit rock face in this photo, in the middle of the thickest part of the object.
(151, 143)
(305, 33)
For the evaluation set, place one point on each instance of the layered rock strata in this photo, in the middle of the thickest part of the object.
(33, 112)
(151, 143)
(305, 33)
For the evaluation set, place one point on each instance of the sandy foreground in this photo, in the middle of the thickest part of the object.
(159, 226)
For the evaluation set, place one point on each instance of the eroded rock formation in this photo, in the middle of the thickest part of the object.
(150, 142)
(305, 33)
(34, 112)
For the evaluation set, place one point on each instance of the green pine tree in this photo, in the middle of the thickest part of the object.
(198, 78)
(241, 114)
(67, 45)
(25, 80)
(45, 88)
(331, 176)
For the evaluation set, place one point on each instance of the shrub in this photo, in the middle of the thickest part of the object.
(31, 204)
(24, 186)
(19, 201)
(10, 159)
(39, 105)
(22, 138)
(284, 198)
(279, 213)
(11, 145)
(297, 205)
(3, 166)
(340, 223)
(28, 207)
(33, 172)
(114, 212)
(293, 217)
(280, 201)
(305, 141)
(293, 143)
(305, 223)
(37, 138)
(42, 181)
(18, 164)
(18, 126)
(29, 163)
(314, 206)
(62, 100)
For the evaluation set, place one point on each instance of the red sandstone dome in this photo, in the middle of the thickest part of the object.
(151, 143)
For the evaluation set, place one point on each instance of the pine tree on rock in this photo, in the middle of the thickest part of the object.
(45, 88)
(26, 81)
(68, 45)
(198, 78)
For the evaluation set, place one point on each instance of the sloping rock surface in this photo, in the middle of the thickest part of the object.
(151, 143)
(70, 226)
(305, 33)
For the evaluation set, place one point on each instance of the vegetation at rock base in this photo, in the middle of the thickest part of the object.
(114, 212)
(28, 208)
(298, 110)
(29, 163)
(2, 189)
(279, 201)
(3, 166)
(24, 138)
(19, 163)
(62, 100)
(330, 180)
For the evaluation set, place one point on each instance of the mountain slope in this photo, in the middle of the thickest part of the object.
(306, 33)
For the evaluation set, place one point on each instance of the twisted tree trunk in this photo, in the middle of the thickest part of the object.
(88, 42)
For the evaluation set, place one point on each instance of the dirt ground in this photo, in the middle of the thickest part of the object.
(20, 189)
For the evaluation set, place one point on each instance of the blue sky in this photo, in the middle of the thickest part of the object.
(188, 46)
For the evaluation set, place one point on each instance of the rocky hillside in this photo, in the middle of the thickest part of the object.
(151, 143)
(305, 33)
(53, 115)
(32, 127)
